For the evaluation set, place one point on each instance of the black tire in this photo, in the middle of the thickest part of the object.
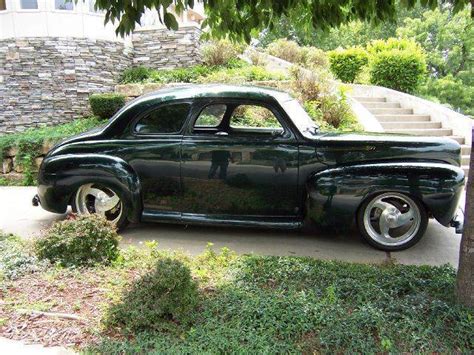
(121, 223)
(415, 237)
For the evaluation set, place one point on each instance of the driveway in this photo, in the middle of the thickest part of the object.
(439, 246)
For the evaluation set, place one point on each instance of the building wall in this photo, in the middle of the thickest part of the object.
(45, 81)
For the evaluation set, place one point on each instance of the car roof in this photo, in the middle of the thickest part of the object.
(215, 90)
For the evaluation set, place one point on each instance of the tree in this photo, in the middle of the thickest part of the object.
(238, 19)
(447, 38)
(465, 279)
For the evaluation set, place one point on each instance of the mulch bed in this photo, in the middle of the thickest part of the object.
(83, 297)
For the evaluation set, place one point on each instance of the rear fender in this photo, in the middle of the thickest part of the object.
(334, 195)
(61, 176)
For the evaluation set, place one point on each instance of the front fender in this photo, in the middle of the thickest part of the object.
(60, 177)
(334, 195)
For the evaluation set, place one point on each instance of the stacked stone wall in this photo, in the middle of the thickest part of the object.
(162, 48)
(46, 81)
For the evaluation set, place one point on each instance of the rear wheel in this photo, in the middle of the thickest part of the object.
(392, 221)
(96, 198)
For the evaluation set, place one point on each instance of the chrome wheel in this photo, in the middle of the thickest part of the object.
(93, 198)
(392, 219)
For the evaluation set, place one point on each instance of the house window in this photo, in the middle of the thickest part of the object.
(3, 5)
(29, 4)
(63, 5)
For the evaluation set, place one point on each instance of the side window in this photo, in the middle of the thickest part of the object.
(253, 116)
(164, 119)
(211, 116)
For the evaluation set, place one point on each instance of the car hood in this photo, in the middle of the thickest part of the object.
(354, 147)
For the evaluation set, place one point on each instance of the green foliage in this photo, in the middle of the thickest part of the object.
(452, 91)
(82, 241)
(220, 52)
(302, 305)
(29, 143)
(17, 258)
(397, 64)
(135, 75)
(287, 50)
(347, 64)
(325, 105)
(163, 295)
(106, 105)
(310, 57)
(447, 39)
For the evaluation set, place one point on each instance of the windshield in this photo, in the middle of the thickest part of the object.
(300, 118)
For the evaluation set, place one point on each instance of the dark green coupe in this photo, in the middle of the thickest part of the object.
(247, 156)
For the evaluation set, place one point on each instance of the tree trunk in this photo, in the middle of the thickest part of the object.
(465, 279)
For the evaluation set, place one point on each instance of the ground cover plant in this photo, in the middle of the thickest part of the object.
(29, 144)
(224, 303)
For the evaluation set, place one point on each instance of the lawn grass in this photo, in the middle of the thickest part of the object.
(257, 304)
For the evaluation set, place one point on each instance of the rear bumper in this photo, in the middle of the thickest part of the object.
(36, 201)
(458, 221)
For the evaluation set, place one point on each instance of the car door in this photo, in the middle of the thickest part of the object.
(239, 158)
(154, 154)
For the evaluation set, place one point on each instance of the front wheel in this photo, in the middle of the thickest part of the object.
(97, 198)
(392, 221)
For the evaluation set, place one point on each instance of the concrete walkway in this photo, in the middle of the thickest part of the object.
(439, 246)
(14, 347)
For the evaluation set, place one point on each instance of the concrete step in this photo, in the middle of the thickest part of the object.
(410, 125)
(403, 118)
(391, 111)
(362, 99)
(435, 132)
(381, 105)
(465, 159)
(458, 139)
(465, 150)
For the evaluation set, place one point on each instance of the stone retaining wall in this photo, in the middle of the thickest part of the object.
(162, 48)
(48, 80)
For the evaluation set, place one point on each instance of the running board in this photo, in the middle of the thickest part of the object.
(223, 220)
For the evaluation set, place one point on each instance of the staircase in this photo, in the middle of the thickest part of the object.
(397, 119)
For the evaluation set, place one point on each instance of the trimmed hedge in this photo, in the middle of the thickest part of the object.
(346, 64)
(106, 105)
(401, 70)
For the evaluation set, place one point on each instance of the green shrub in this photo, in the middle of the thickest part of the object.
(402, 44)
(106, 105)
(401, 70)
(241, 75)
(164, 295)
(310, 85)
(135, 75)
(82, 241)
(452, 91)
(315, 58)
(286, 50)
(347, 64)
(220, 52)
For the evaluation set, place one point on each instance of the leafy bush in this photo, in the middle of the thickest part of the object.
(82, 241)
(401, 70)
(135, 75)
(256, 57)
(311, 85)
(16, 258)
(402, 44)
(286, 50)
(106, 105)
(241, 75)
(220, 52)
(29, 144)
(314, 58)
(452, 91)
(347, 64)
(166, 293)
